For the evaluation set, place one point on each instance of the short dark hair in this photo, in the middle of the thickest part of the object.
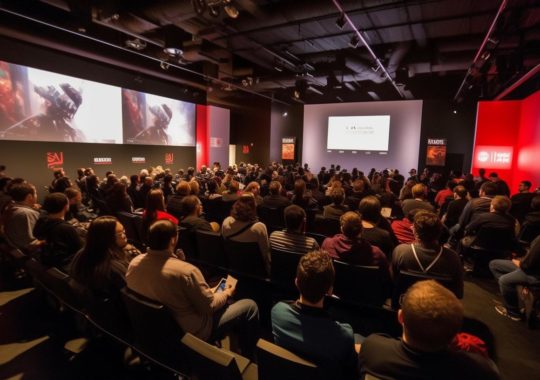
(245, 209)
(315, 275)
(189, 204)
(55, 202)
(71, 192)
(427, 226)
(527, 184)
(294, 217)
(370, 208)
(489, 188)
(20, 191)
(274, 188)
(501, 203)
(160, 234)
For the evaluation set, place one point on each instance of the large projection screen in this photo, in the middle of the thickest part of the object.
(363, 135)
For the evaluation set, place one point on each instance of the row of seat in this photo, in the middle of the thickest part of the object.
(148, 328)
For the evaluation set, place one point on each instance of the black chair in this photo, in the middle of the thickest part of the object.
(226, 207)
(209, 362)
(245, 258)
(187, 242)
(210, 249)
(156, 333)
(213, 210)
(318, 237)
(271, 217)
(360, 284)
(528, 232)
(283, 271)
(326, 226)
(405, 279)
(277, 363)
(101, 206)
(133, 225)
(489, 244)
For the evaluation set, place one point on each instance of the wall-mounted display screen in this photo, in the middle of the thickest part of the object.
(38, 105)
(156, 120)
(358, 132)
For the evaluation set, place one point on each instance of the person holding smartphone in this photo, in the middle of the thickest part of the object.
(200, 310)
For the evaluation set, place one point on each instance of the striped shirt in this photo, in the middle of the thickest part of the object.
(294, 242)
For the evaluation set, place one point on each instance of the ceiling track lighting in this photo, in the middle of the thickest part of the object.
(214, 7)
(136, 44)
(173, 52)
(354, 42)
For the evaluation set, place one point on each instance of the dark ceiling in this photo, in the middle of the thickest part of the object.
(294, 51)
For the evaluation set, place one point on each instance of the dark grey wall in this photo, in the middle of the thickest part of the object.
(285, 126)
(29, 159)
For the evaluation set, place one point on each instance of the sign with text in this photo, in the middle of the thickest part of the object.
(169, 158)
(493, 157)
(55, 159)
(102, 161)
(138, 160)
(288, 145)
(436, 152)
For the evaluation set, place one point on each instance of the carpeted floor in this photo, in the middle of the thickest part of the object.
(36, 344)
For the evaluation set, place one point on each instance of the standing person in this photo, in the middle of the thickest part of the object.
(521, 202)
(502, 186)
(181, 287)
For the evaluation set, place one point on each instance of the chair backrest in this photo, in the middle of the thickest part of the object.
(187, 242)
(284, 264)
(156, 333)
(358, 283)
(495, 239)
(405, 279)
(213, 210)
(210, 248)
(326, 226)
(277, 363)
(132, 224)
(101, 205)
(528, 232)
(244, 258)
(272, 217)
(209, 362)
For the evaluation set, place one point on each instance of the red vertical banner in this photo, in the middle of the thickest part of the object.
(203, 137)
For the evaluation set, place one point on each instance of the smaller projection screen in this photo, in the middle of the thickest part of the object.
(362, 133)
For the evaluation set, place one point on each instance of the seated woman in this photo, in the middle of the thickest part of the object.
(155, 209)
(98, 270)
(118, 199)
(243, 226)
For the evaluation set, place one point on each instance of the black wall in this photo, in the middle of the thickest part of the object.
(29, 159)
(440, 121)
(285, 126)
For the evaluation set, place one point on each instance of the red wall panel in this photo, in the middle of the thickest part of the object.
(203, 138)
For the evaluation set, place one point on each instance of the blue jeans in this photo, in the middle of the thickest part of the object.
(242, 319)
(510, 276)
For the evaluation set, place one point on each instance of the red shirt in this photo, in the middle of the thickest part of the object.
(403, 231)
(442, 195)
(162, 215)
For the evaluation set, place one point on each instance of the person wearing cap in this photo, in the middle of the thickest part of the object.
(413, 176)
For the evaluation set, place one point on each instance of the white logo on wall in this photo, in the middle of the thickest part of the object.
(138, 160)
(216, 142)
(483, 156)
(102, 160)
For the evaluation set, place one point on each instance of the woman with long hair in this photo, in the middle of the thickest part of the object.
(301, 197)
(155, 209)
(118, 199)
(99, 268)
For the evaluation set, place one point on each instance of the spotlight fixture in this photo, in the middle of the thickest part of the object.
(173, 51)
(285, 114)
(340, 22)
(214, 7)
(296, 94)
(164, 65)
(355, 40)
(231, 11)
(136, 44)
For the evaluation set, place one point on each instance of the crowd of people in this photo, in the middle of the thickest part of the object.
(423, 224)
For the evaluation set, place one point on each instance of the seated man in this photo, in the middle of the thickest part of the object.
(275, 199)
(350, 247)
(376, 229)
(336, 208)
(418, 201)
(180, 286)
(510, 273)
(427, 255)
(497, 218)
(62, 240)
(192, 209)
(431, 316)
(455, 207)
(521, 202)
(20, 217)
(306, 329)
(293, 238)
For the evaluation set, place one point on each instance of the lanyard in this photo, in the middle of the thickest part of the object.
(426, 270)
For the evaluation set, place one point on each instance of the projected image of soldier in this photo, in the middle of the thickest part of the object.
(55, 122)
(157, 133)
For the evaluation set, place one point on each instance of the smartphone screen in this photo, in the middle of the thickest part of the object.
(221, 286)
